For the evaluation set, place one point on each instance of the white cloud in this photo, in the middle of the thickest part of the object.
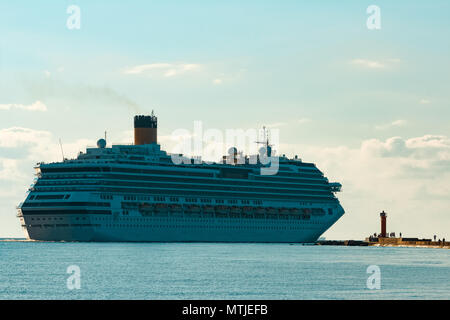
(9, 170)
(20, 150)
(368, 63)
(36, 145)
(17, 136)
(229, 77)
(374, 64)
(409, 178)
(163, 69)
(429, 141)
(36, 106)
(146, 67)
(396, 123)
(424, 101)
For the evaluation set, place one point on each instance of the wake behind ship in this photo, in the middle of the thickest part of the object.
(137, 193)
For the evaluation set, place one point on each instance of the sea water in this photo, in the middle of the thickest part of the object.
(59, 270)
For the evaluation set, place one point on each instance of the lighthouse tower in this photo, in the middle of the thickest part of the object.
(383, 216)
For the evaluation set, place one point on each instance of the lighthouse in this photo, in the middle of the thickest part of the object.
(383, 224)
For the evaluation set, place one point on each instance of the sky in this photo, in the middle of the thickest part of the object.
(369, 106)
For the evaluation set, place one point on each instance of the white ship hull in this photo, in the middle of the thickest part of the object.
(182, 229)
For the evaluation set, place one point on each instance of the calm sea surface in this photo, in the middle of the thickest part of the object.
(38, 270)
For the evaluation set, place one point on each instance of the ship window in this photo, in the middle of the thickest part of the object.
(50, 197)
(330, 211)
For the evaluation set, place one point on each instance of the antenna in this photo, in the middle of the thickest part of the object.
(62, 151)
(105, 136)
(266, 139)
(265, 142)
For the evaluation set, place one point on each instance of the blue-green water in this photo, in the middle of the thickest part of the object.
(37, 270)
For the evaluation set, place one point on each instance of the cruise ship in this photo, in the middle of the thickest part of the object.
(137, 193)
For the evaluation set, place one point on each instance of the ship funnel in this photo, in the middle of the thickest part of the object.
(145, 129)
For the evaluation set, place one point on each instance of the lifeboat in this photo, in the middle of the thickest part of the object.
(294, 210)
(161, 207)
(193, 208)
(306, 213)
(175, 208)
(222, 209)
(132, 205)
(208, 209)
(249, 212)
(146, 209)
(260, 210)
(284, 210)
(318, 212)
(144, 206)
(235, 209)
(272, 210)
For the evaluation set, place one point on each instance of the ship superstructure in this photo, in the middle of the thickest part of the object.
(137, 193)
